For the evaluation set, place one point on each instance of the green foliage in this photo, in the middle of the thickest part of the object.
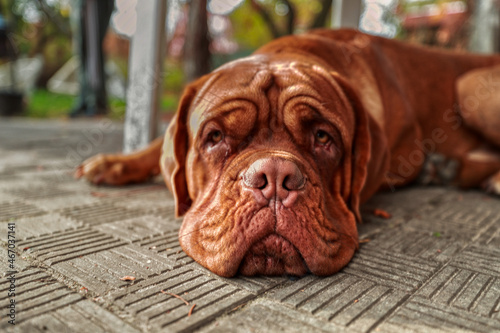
(408, 5)
(173, 76)
(250, 31)
(117, 108)
(44, 104)
(169, 102)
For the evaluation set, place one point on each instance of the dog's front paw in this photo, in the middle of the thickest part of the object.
(492, 184)
(108, 169)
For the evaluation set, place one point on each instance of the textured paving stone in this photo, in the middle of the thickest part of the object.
(421, 244)
(265, 316)
(156, 200)
(17, 209)
(462, 221)
(343, 299)
(433, 267)
(255, 285)
(166, 245)
(464, 289)
(69, 244)
(103, 212)
(67, 201)
(43, 225)
(424, 316)
(84, 316)
(147, 229)
(37, 293)
(390, 268)
(479, 259)
(156, 310)
(30, 193)
(50, 176)
(102, 272)
(490, 236)
(409, 201)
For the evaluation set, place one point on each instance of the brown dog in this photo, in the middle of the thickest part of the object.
(270, 156)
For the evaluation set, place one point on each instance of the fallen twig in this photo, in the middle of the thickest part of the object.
(191, 310)
(128, 278)
(174, 295)
(382, 213)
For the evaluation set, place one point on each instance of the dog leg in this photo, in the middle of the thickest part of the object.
(479, 98)
(119, 169)
(481, 167)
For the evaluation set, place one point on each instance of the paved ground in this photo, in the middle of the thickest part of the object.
(433, 267)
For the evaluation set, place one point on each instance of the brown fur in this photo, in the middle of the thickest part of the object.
(385, 106)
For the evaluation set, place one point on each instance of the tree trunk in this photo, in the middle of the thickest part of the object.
(196, 47)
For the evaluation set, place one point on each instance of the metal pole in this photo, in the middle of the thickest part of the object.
(346, 14)
(145, 75)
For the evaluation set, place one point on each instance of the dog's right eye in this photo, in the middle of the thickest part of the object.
(215, 137)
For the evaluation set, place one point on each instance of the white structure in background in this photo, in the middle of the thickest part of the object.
(346, 14)
(145, 75)
(484, 37)
(146, 54)
(372, 19)
(20, 75)
(65, 80)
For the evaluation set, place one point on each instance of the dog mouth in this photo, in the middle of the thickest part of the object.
(273, 255)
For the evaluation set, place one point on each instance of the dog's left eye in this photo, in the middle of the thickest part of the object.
(322, 137)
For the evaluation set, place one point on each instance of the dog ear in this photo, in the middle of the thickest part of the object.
(175, 149)
(360, 150)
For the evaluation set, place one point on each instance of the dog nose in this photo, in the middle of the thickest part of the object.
(274, 178)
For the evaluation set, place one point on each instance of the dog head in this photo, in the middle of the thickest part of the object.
(266, 158)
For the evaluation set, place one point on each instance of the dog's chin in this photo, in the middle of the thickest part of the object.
(273, 255)
(254, 240)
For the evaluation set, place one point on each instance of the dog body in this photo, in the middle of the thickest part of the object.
(270, 156)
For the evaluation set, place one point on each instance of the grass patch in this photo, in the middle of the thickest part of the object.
(45, 104)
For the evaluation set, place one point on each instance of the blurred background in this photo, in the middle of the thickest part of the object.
(41, 42)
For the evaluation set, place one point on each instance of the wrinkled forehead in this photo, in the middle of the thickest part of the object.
(248, 80)
(256, 74)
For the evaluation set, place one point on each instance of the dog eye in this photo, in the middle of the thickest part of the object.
(322, 137)
(215, 137)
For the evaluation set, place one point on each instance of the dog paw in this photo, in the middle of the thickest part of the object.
(492, 184)
(106, 169)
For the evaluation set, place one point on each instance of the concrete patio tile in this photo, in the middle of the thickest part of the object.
(166, 245)
(343, 299)
(434, 266)
(154, 310)
(84, 316)
(68, 244)
(479, 259)
(266, 316)
(464, 289)
(425, 316)
(43, 225)
(464, 219)
(422, 244)
(16, 209)
(99, 213)
(392, 269)
(141, 228)
(102, 272)
(37, 293)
